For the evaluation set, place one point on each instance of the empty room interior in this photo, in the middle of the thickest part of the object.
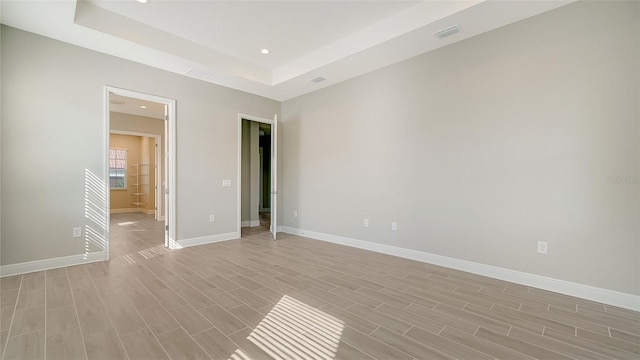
(319, 179)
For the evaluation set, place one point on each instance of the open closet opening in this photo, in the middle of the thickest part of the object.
(256, 175)
(264, 141)
(257, 198)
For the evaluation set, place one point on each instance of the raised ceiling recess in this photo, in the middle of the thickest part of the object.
(221, 41)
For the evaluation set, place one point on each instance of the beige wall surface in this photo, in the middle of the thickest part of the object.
(150, 201)
(146, 125)
(122, 199)
(67, 84)
(480, 149)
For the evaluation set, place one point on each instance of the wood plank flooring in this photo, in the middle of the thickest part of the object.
(132, 232)
(296, 298)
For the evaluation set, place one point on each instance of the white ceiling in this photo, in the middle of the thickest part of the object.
(127, 105)
(220, 41)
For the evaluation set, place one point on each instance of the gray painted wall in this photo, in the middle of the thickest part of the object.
(480, 149)
(53, 129)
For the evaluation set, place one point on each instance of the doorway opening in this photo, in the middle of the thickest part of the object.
(264, 154)
(140, 173)
(136, 208)
(257, 170)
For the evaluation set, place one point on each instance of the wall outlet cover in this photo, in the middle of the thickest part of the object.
(542, 247)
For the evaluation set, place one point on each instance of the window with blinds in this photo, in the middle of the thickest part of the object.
(117, 168)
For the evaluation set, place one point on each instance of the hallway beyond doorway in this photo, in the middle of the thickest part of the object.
(134, 232)
(259, 232)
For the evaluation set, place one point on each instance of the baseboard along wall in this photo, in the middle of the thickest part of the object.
(606, 296)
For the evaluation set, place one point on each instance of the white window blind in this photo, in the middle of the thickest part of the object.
(117, 168)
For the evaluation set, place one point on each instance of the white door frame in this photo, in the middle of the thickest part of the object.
(158, 195)
(170, 151)
(239, 184)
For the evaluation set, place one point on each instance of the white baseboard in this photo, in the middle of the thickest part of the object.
(121, 211)
(611, 297)
(131, 210)
(48, 264)
(250, 223)
(207, 239)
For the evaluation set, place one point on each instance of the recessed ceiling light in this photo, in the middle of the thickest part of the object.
(143, 1)
(142, 107)
(264, 51)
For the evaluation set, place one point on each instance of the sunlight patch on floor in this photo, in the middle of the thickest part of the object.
(240, 355)
(153, 252)
(295, 330)
(129, 259)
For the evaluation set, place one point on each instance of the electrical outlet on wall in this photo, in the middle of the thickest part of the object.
(77, 232)
(295, 213)
(212, 218)
(366, 222)
(394, 226)
(542, 247)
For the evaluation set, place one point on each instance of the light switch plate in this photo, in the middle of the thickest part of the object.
(226, 183)
(77, 232)
(542, 247)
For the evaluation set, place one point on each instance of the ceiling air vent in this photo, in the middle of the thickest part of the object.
(318, 79)
(198, 74)
(446, 32)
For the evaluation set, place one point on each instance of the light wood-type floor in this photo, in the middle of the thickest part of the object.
(296, 298)
(132, 232)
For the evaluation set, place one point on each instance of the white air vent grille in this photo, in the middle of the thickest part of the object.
(446, 32)
(198, 74)
(318, 79)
